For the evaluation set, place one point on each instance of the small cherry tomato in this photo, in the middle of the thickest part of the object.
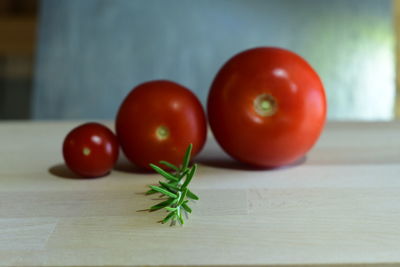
(157, 121)
(90, 150)
(267, 107)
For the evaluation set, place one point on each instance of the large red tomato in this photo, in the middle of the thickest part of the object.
(267, 107)
(90, 150)
(157, 121)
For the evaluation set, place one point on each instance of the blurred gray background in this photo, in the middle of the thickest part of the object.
(91, 53)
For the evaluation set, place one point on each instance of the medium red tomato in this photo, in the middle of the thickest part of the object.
(267, 107)
(90, 150)
(157, 121)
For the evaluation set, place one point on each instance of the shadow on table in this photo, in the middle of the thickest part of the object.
(123, 165)
(229, 163)
(62, 171)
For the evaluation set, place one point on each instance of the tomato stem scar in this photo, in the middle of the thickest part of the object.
(86, 151)
(265, 105)
(162, 132)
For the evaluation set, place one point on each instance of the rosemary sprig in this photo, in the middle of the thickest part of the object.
(175, 188)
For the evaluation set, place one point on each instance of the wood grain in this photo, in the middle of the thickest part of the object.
(337, 207)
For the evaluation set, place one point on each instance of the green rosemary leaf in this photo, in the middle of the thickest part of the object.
(161, 205)
(173, 184)
(174, 201)
(191, 195)
(183, 174)
(163, 191)
(168, 217)
(175, 191)
(182, 196)
(179, 215)
(186, 158)
(170, 165)
(179, 193)
(189, 176)
(167, 175)
(169, 187)
(186, 207)
(151, 191)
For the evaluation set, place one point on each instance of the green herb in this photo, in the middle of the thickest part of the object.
(175, 188)
(163, 191)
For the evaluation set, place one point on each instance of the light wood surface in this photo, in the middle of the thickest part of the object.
(339, 206)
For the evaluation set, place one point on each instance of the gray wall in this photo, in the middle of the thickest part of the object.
(92, 52)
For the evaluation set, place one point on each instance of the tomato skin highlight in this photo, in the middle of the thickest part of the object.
(90, 150)
(267, 107)
(157, 121)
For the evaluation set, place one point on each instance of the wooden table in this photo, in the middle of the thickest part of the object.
(341, 205)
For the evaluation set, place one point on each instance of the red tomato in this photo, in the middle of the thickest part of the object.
(157, 121)
(267, 107)
(90, 150)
